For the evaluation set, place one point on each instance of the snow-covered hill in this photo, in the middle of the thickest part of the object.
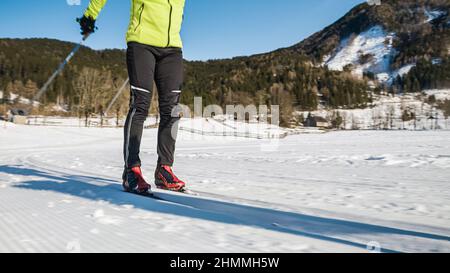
(385, 41)
(373, 45)
(370, 51)
(60, 192)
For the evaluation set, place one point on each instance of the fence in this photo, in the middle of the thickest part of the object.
(420, 123)
(74, 122)
(266, 135)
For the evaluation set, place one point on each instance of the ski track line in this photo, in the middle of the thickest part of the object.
(48, 167)
(109, 179)
(52, 243)
(55, 246)
(13, 246)
(170, 198)
(19, 229)
(195, 203)
(220, 210)
(62, 234)
(60, 222)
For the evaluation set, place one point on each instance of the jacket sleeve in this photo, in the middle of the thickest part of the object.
(95, 6)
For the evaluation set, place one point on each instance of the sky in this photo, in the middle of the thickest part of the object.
(212, 29)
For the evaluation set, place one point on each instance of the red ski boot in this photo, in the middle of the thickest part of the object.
(134, 182)
(165, 179)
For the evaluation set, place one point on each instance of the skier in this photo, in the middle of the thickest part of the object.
(154, 54)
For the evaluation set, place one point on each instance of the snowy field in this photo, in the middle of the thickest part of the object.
(336, 192)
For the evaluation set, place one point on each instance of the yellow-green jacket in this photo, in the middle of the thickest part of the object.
(152, 22)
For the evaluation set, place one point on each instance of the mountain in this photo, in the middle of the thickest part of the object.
(387, 41)
(398, 46)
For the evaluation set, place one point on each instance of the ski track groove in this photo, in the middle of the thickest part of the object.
(29, 161)
(337, 239)
(50, 243)
(10, 246)
(26, 161)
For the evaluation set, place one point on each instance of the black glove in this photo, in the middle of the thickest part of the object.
(87, 25)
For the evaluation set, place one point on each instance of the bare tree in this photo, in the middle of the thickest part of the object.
(375, 122)
(286, 109)
(91, 87)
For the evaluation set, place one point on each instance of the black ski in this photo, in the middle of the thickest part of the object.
(183, 191)
(147, 194)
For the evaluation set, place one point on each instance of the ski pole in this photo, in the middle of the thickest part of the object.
(59, 70)
(116, 96)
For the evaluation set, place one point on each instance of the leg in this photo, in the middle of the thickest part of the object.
(141, 66)
(169, 79)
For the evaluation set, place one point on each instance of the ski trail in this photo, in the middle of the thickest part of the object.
(350, 233)
(332, 230)
(103, 191)
(48, 180)
(29, 161)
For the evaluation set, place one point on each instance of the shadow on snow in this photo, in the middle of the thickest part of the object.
(94, 188)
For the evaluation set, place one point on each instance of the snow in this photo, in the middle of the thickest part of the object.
(20, 99)
(433, 14)
(404, 70)
(334, 192)
(200, 126)
(436, 61)
(59, 108)
(383, 77)
(439, 94)
(230, 127)
(389, 77)
(374, 42)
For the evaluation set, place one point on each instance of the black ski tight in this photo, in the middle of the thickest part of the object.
(164, 66)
